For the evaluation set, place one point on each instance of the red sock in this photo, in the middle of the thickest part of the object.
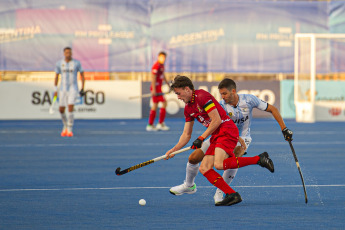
(239, 162)
(152, 117)
(217, 180)
(162, 115)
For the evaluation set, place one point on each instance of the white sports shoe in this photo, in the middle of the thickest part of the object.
(162, 126)
(218, 196)
(151, 128)
(183, 188)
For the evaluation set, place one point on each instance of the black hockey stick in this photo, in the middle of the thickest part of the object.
(300, 172)
(119, 172)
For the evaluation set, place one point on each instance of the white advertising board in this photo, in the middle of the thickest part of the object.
(103, 100)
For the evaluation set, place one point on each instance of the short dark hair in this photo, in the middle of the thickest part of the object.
(182, 81)
(162, 53)
(67, 48)
(227, 83)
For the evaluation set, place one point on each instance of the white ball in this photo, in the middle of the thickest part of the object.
(142, 202)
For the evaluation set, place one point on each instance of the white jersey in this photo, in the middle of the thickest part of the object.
(69, 74)
(241, 114)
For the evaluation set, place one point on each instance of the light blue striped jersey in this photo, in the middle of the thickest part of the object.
(242, 114)
(69, 74)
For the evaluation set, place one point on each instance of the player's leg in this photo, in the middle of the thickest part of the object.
(72, 95)
(62, 109)
(229, 174)
(230, 198)
(192, 168)
(70, 120)
(150, 126)
(162, 112)
(206, 168)
(188, 186)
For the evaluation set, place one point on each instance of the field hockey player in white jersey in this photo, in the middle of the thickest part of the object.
(239, 107)
(68, 68)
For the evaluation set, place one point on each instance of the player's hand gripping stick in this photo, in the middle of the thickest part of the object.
(197, 143)
(287, 134)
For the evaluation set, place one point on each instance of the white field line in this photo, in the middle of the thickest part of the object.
(130, 188)
(122, 132)
(328, 143)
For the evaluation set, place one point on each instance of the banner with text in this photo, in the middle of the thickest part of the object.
(103, 100)
(126, 35)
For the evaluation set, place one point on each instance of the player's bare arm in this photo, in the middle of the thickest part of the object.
(276, 114)
(215, 123)
(184, 138)
(82, 77)
(240, 150)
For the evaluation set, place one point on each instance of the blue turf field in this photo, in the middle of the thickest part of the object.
(49, 182)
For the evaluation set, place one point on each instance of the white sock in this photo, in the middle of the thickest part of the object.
(229, 175)
(64, 119)
(191, 172)
(70, 122)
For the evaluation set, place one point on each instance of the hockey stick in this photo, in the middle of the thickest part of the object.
(119, 172)
(299, 169)
(51, 109)
(145, 95)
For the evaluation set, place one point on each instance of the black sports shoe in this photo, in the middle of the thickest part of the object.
(230, 199)
(266, 162)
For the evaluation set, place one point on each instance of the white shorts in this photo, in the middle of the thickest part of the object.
(67, 98)
(206, 144)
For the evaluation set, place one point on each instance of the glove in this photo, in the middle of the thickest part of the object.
(197, 143)
(287, 134)
(82, 92)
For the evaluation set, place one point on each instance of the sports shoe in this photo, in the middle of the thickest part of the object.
(230, 199)
(266, 162)
(183, 188)
(64, 132)
(151, 128)
(218, 196)
(162, 126)
(69, 134)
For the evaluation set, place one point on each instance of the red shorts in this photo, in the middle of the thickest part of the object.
(156, 99)
(226, 139)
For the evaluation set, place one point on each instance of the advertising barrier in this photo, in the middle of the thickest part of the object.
(103, 100)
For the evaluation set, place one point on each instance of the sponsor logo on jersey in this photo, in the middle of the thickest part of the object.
(242, 120)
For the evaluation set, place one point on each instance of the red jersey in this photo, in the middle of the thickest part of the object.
(158, 71)
(201, 104)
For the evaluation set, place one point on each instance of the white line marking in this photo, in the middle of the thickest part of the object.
(158, 144)
(129, 188)
(121, 132)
